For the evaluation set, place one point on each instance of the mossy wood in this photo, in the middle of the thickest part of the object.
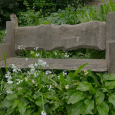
(94, 34)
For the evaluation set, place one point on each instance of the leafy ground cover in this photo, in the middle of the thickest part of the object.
(56, 92)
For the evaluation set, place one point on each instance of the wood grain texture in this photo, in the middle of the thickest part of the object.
(7, 49)
(65, 37)
(98, 65)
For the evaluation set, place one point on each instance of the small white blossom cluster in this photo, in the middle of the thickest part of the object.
(64, 73)
(85, 72)
(58, 76)
(37, 55)
(20, 47)
(26, 59)
(16, 70)
(43, 113)
(50, 87)
(67, 87)
(42, 63)
(66, 55)
(55, 53)
(19, 81)
(33, 81)
(9, 92)
(36, 48)
(33, 70)
(19, 88)
(9, 81)
(32, 52)
(48, 72)
(9, 78)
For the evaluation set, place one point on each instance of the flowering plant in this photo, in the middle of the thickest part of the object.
(45, 92)
(41, 92)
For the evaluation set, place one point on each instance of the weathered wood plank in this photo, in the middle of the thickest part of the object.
(7, 49)
(110, 56)
(65, 37)
(72, 64)
(111, 26)
(110, 42)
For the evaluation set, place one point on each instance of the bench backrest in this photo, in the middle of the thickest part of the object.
(95, 34)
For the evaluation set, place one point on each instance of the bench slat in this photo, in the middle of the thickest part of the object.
(98, 65)
(62, 37)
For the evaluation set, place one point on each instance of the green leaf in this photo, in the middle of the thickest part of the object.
(112, 112)
(112, 99)
(22, 108)
(89, 106)
(39, 101)
(76, 110)
(108, 76)
(10, 110)
(99, 97)
(91, 89)
(79, 69)
(11, 96)
(37, 95)
(5, 62)
(105, 89)
(83, 86)
(110, 84)
(6, 103)
(76, 97)
(103, 108)
(15, 104)
(2, 112)
(62, 79)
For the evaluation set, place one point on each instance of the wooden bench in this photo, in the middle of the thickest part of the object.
(94, 34)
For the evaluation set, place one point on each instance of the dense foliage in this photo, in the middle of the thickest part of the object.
(44, 6)
(37, 92)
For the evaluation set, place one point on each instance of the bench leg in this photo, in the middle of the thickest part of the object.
(110, 56)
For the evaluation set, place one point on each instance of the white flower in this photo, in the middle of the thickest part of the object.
(48, 72)
(58, 76)
(36, 73)
(13, 65)
(19, 88)
(43, 113)
(26, 78)
(20, 47)
(31, 66)
(55, 53)
(10, 82)
(33, 81)
(37, 55)
(15, 70)
(66, 55)
(7, 75)
(19, 69)
(26, 59)
(36, 48)
(42, 63)
(9, 92)
(67, 86)
(64, 73)
(50, 87)
(35, 64)
(85, 72)
(19, 81)
(31, 52)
